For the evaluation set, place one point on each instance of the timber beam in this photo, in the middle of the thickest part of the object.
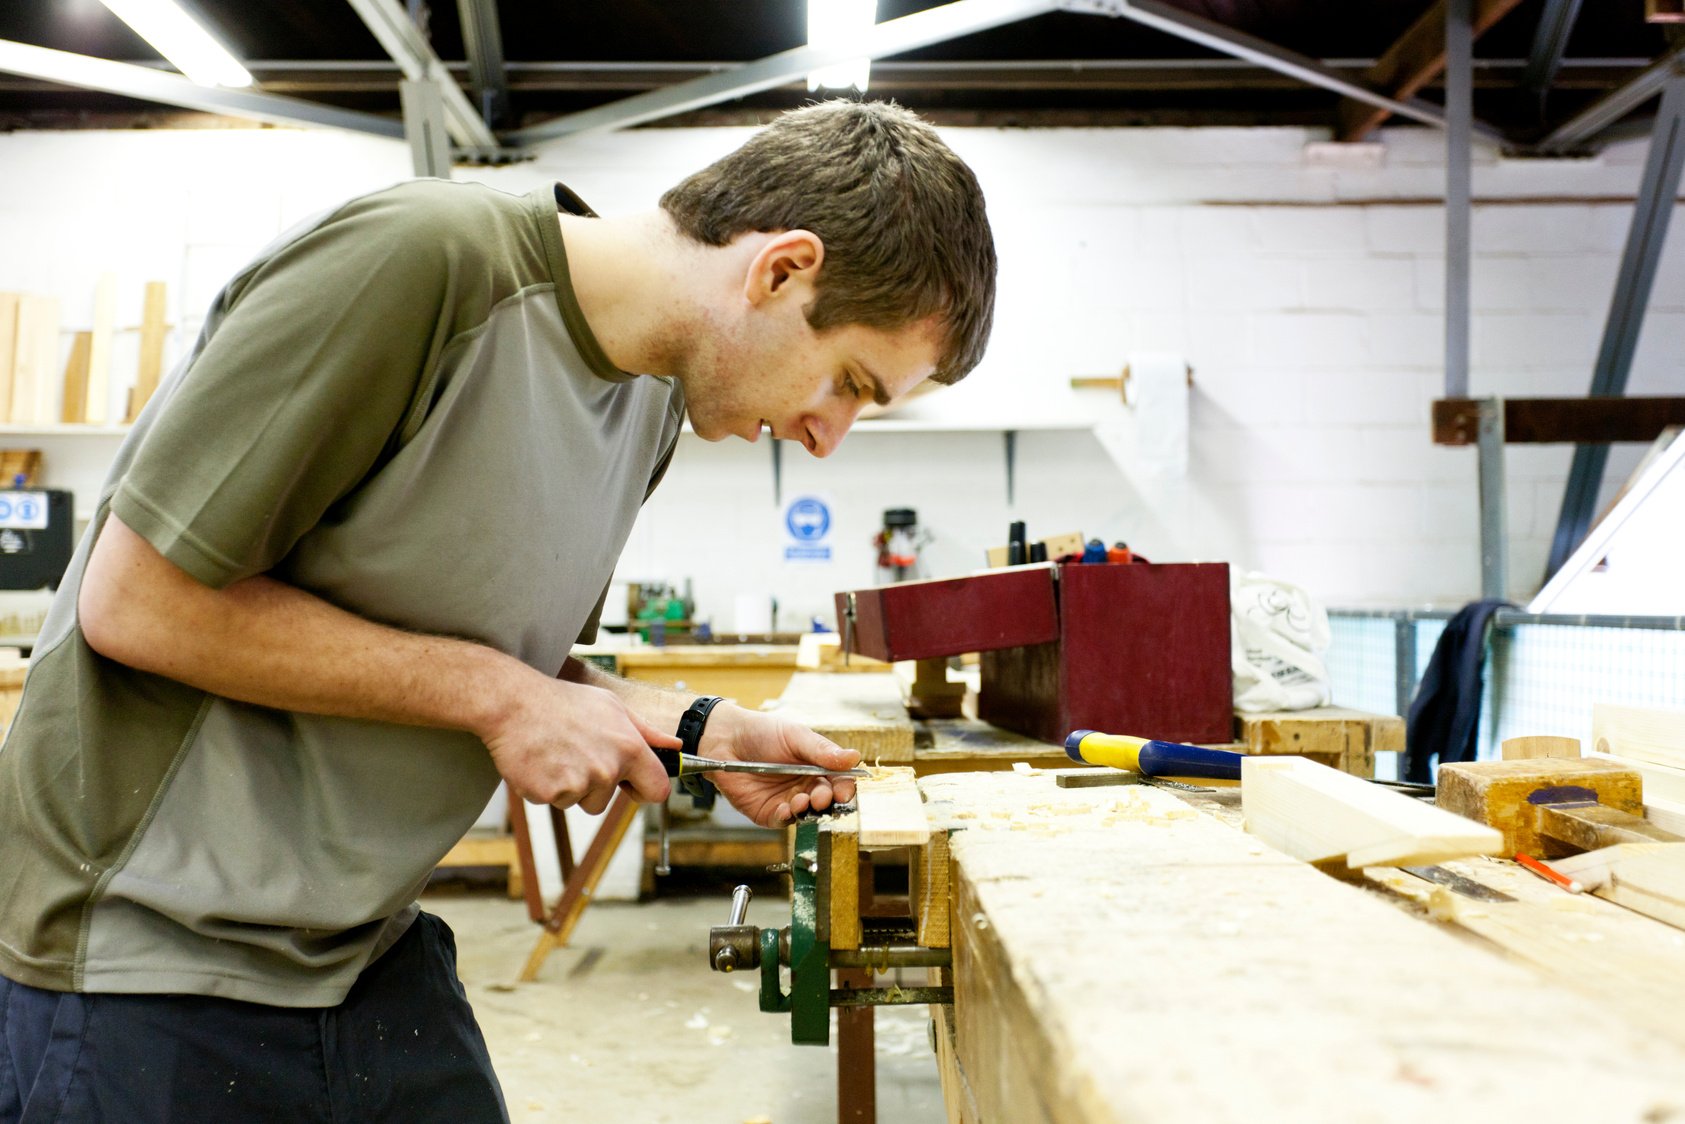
(1550, 421)
(1417, 58)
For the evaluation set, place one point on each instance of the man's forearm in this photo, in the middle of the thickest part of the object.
(265, 642)
(657, 705)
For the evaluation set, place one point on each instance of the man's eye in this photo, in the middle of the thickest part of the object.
(850, 387)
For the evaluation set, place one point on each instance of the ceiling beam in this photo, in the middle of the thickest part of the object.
(401, 39)
(1417, 58)
(934, 25)
(1582, 128)
(167, 88)
(483, 41)
(1219, 37)
(1550, 40)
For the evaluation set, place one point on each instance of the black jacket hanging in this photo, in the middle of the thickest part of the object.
(1445, 715)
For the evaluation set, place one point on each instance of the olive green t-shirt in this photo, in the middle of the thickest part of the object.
(399, 408)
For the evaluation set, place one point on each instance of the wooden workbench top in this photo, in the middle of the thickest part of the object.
(1123, 956)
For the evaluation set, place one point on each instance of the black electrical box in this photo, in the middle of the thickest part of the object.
(37, 536)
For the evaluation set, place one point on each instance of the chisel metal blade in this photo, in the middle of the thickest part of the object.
(1453, 881)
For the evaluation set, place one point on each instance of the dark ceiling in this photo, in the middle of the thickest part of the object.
(567, 57)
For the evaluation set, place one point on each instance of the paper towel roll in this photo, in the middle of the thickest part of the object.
(751, 613)
(1157, 390)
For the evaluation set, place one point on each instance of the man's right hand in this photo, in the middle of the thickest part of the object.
(566, 743)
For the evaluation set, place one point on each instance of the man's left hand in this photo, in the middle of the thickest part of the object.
(734, 733)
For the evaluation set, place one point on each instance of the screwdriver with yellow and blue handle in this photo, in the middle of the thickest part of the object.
(1151, 758)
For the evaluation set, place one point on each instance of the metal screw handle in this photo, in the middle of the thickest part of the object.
(740, 904)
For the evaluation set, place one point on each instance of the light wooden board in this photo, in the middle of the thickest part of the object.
(8, 351)
(1122, 957)
(1319, 814)
(1648, 878)
(891, 810)
(860, 712)
(75, 406)
(928, 882)
(844, 874)
(1630, 964)
(152, 336)
(97, 401)
(36, 370)
(1540, 745)
(1653, 735)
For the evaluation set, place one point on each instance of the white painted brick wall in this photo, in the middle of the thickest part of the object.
(1306, 298)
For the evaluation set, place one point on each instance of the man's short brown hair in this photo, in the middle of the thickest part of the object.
(901, 217)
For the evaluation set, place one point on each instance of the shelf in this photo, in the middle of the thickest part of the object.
(64, 430)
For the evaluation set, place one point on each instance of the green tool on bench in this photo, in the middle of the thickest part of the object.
(805, 948)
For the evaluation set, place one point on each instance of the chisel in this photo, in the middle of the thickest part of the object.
(680, 764)
(1151, 758)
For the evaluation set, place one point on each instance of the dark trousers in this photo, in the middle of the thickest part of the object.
(403, 1046)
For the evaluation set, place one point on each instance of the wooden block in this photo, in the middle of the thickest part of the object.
(152, 333)
(1322, 815)
(74, 410)
(822, 651)
(946, 617)
(8, 351)
(932, 694)
(928, 877)
(844, 868)
(1653, 735)
(1506, 794)
(97, 399)
(1647, 878)
(1540, 745)
(1345, 739)
(36, 369)
(859, 712)
(891, 810)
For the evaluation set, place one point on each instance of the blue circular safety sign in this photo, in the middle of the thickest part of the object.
(808, 519)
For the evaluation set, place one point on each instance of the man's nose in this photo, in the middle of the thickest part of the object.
(828, 428)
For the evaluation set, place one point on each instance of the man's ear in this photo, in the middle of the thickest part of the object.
(786, 264)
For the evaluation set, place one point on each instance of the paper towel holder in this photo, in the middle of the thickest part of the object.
(1119, 384)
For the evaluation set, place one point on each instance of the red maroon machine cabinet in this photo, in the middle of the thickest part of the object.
(1140, 649)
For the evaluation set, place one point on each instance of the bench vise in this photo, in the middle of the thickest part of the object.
(823, 860)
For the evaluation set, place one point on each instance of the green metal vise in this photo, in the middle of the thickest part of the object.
(804, 949)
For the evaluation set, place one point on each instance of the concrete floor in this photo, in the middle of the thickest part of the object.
(629, 1025)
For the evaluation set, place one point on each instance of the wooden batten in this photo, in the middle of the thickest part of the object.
(1322, 815)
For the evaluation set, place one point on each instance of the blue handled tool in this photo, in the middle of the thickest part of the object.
(1151, 758)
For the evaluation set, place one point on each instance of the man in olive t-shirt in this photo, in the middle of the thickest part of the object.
(329, 591)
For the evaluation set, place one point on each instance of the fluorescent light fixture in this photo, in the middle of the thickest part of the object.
(183, 40)
(834, 23)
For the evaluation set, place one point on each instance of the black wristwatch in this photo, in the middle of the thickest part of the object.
(694, 721)
(691, 724)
